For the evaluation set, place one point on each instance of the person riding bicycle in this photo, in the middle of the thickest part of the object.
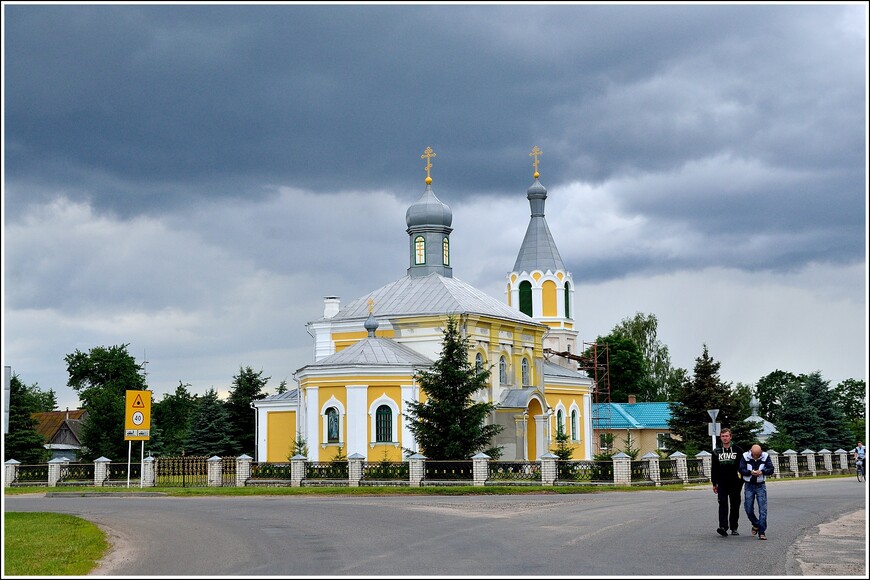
(859, 453)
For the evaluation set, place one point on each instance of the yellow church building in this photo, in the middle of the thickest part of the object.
(351, 399)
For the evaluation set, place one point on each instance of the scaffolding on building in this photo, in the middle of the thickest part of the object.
(597, 364)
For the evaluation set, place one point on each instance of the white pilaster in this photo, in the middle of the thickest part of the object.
(588, 434)
(312, 426)
(409, 393)
(357, 420)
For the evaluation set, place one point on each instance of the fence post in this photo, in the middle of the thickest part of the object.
(54, 467)
(354, 469)
(148, 472)
(621, 469)
(844, 461)
(243, 469)
(791, 455)
(652, 460)
(214, 471)
(549, 471)
(11, 472)
(417, 469)
(774, 458)
(811, 460)
(297, 470)
(682, 469)
(101, 470)
(826, 461)
(706, 463)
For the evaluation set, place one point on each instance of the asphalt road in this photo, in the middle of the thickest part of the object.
(647, 533)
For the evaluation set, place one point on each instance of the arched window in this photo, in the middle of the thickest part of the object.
(567, 300)
(445, 247)
(384, 424)
(502, 371)
(419, 250)
(526, 297)
(560, 422)
(526, 375)
(478, 362)
(332, 425)
(575, 435)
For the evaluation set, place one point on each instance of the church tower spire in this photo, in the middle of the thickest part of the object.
(540, 286)
(429, 221)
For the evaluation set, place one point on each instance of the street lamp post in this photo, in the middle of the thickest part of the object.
(713, 428)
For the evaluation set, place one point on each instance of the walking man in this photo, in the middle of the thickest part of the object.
(755, 466)
(727, 483)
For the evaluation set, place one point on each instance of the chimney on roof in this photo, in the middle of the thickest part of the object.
(67, 413)
(632, 399)
(331, 306)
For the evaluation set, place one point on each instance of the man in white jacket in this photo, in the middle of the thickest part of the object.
(755, 465)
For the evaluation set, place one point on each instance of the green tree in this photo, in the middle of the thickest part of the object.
(834, 433)
(642, 329)
(627, 371)
(247, 386)
(770, 391)
(22, 442)
(850, 397)
(705, 391)
(449, 424)
(798, 421)
(171, 418)
(209, 428)
(563, 449)
(101, 377)
(282, 387)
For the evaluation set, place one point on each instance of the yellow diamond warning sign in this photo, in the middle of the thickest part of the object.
(137, 421)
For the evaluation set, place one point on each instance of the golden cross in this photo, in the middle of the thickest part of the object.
(371, 305)
(535, 152)
(428, 155)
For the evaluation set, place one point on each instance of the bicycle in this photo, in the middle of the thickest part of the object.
(859, 469)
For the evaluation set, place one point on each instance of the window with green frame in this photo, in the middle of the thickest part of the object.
(384, 424)
(445, 247)
(419, 250)
(526, 297)
(567, 300)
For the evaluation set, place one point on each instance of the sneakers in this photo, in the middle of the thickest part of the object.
(722, 531)
(761, 536)
(734, 533)
(754, 530)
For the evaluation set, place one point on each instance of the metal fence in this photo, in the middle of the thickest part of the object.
(270, 471)
(585, 471)
(695, 470)
(668, 471)
(32, 475)
(117, 473)
(326, 470)
(515, 471)
(640, 472)
(448, 470)
(183, 471)
(77, 474)
(386, 470)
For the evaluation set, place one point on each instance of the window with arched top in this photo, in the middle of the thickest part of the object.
(575, 434)
(384, 424)
(527, 380)
(419, 250)
(560, 422)
(526, 297)
(502, 371)
(567, 300)
(445, 248)
(332, 425)
(478, 362)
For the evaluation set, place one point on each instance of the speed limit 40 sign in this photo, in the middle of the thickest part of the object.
(137, 420)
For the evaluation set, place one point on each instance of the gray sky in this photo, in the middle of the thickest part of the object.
(192, 180)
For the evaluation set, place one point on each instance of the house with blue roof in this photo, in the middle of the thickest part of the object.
(645, 424)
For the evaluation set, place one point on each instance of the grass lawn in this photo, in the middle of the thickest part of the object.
(47, 544)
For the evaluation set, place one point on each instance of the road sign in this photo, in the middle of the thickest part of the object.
(714, 429)
(137, 421)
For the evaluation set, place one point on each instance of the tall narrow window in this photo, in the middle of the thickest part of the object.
(478, 362)
(502, 371)
(575, 435)
(332, 425)
(445, 247)
(419, 250)
(567, 300)
(384, 424)
(560, 422)
(526, 297)
(526, 374)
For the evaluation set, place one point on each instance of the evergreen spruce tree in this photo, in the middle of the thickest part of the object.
(834, 433)
(798, 419)
(209, 428)
(170, 421)
(449, 424)
(704, 391)
(247, 386)
(23, 443)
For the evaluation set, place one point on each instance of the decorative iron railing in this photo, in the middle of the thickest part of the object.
(590, 471)
(391, 470)
(803, 466)
(270, 471)
(695, 469)
(183, 471)
(32, 473)
(640, 471)
(117, 472)
(326, 470)
(668, 470)
(515, 470)
(79, 472)
(438, 470)
(228, 471)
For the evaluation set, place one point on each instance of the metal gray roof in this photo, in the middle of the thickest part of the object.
(554, 370)
(429, 295)
(516, 398)
(538, 251)
(428, 210)
(374, 352)
(287, 396)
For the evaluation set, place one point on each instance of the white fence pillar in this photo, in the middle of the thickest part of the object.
(297, 470)
(354, 469)
(549, 471)
(621, 469)
(11, 473)
(243, 469)
(682, 468)
(417, 469)
(149, 472)
(791, 456)
(652, 461)
(706, 463)
(54, 467)
(480, 468)
(214, 471)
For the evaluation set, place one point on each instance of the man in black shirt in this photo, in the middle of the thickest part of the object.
(727, 482)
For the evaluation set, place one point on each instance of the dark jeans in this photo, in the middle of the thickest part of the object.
(756, 492)
(726, 495)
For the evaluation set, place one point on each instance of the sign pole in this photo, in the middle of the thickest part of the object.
(141, 464)
(129, 451)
